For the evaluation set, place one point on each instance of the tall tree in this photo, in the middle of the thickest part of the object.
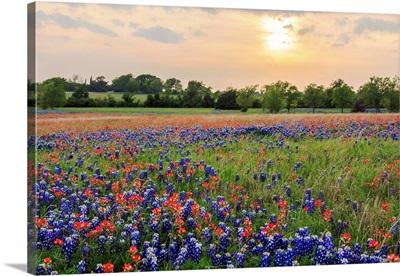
(132, 86)
(81, 92)
(119, 84)
(392, 97)
(144, 81)
(314, 96)
(192, 96)
(227, 100)
(328, 103)
(245, 97)
(343, 96)
(173, 85)
(273, 98)
(375, 90)
(98, 85)
(156, 86)
(51, 93)
(289, 92)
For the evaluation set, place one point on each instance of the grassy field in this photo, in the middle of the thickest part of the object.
(200, 191)
(159, 110)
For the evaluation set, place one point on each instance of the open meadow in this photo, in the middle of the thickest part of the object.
(144, 192)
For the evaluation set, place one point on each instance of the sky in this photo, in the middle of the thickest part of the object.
(220, 46)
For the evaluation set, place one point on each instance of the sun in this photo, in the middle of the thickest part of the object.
(278, 37)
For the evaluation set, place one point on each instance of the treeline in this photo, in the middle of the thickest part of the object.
(377, 93)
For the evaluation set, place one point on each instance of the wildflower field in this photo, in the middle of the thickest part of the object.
(120, 193)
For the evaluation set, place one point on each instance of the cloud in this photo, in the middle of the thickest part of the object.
(288, 27)
(159, 34)
(305, 30)
(210, 10)
(196, 32)
(118, 22)
(342, 40)
(69, 23)
(342, 21)
(377, 25)
(133, 25)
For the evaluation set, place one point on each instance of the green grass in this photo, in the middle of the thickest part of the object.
(188, 111)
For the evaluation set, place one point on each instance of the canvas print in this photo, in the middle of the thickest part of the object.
(182, 138)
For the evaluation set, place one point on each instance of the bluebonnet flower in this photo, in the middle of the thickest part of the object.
(265, 260)
(288, 191)
(355, 206)
(81, 267)
(151, 260)
(173, 250)
(279, 258)
(212, 250)
(217, 260)
(99, 268)
(67, 248)
(263, 177)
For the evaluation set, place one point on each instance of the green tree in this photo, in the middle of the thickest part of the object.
(132, 86)
(128, 99)
(98, 85)
(245, 97)
(193, 94)
(328, 101)
(51, 93)
(227, 100)
(119, 84)
(392, 97)
(144, 81)
(173, 85)
(314, 96)
(156, 86)
(359, 105)
(274, 97)
(343, 96)
(208, 101)
(149, 101)
(81, 92)
(290, 93)
(375, 91)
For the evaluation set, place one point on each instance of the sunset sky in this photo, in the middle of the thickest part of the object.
(221, 47)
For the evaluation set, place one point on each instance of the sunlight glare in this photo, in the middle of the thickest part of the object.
(278, 37)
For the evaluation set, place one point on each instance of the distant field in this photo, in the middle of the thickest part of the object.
(159, 110)
(152, 110)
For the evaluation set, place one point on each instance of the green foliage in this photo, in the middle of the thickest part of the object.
(51, 93)
(343, 96)
(132, 86)
(227, 100)
(98, 85)
(173, 86)
(375, 91)
(314, 96)
(81, 92)
(392, 99)
(120, 83)
(359, 106)
(245, 97)
(192, 96)
(128, 99)
(156, 86)
(273, 98)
